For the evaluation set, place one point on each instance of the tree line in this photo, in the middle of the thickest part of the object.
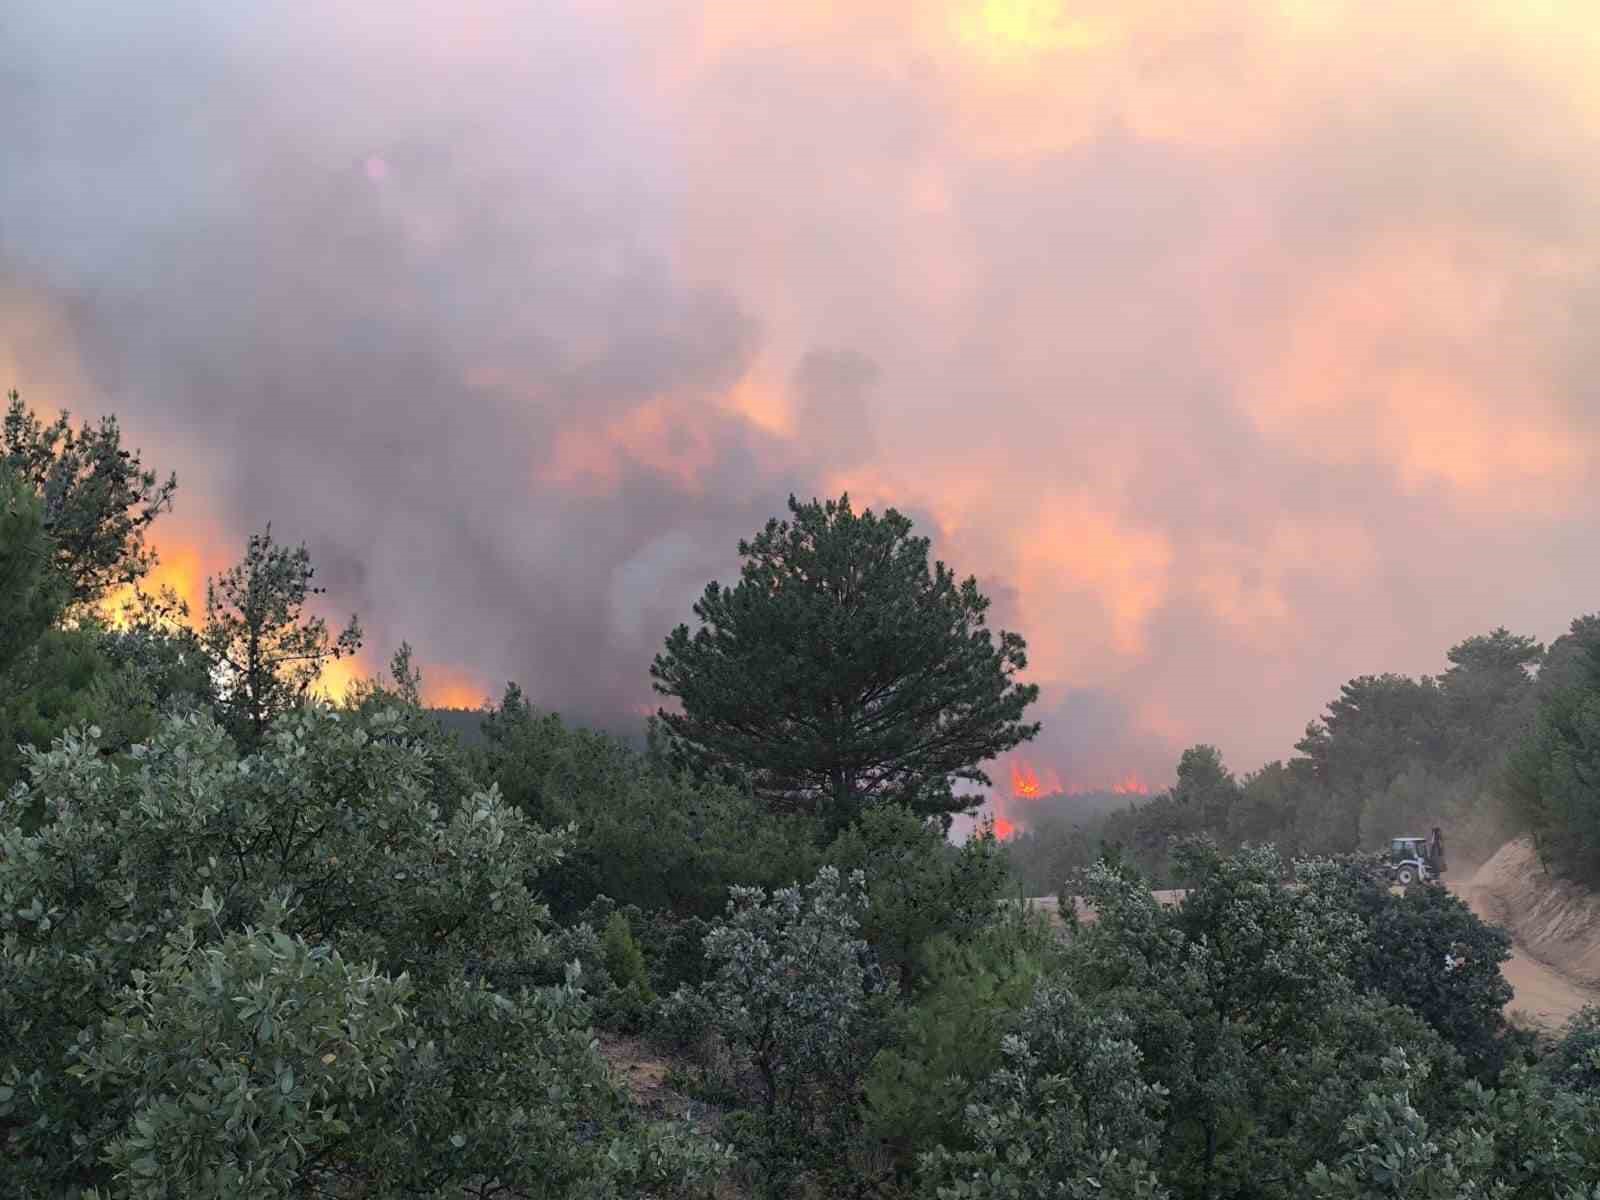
(254, 943)
(1502, 741)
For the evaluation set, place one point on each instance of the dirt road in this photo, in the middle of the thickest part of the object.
(1542, 994)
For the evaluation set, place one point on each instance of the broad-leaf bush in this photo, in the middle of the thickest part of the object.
(1069, 1114)
(792, 992)
(1575, 1060)
(318, 853)
(1521, 1141)
(1426, 950)
(1243, 1004)
(243, 1067)
(445, 768)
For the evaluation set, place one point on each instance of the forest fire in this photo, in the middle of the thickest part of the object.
(190, 555)
(1030, 785)
(447, 687)
(1026, 783)
(184, 564)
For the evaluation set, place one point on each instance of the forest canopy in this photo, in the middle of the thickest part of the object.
(257, 941)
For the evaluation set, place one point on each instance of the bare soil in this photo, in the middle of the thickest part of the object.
(1541, 993)
(649, 1074)
(1557, 920)
(1555, 930)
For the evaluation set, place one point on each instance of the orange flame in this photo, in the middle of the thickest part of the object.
(184, 563)
(1031, 783)
(447, 687)
(338, 676)
(192, 552)
(1027, 783)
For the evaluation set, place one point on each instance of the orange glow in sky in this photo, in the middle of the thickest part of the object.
(189, 551)
(444, 686)
(338, 676)
(1237, 347)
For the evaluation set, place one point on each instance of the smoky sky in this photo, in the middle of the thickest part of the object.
(1237, 350)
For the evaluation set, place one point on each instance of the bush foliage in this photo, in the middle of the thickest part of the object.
(249, 976)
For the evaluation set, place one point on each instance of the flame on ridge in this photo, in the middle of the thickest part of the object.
(1030, 783)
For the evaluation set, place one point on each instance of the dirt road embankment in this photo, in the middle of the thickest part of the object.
(1555, 929)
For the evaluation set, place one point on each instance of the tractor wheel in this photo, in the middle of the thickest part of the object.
(1405, 876)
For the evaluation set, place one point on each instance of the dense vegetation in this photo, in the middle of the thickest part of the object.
(256, 944)
(1554, 774)
(1506, 739)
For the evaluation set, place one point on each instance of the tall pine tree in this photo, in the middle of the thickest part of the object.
(842, 671)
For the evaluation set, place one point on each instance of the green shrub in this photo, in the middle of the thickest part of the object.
(177, 911)
(624, 959)
(1426, 950)
(670, 942)
(919, 885)
(1575, 1059)
(628, 998)
(644, 837)
(972, 994)
(1524, 1140)
(789, 994)
(233, 1068)
(1245, 1006)
(1068, 1115)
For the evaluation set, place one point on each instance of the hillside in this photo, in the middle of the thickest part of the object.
(1555, 921)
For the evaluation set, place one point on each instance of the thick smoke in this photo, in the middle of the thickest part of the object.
(1235, 355)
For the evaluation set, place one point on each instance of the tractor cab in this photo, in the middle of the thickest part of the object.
(1416, 859)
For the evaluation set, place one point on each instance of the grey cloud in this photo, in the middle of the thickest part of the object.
(361, 277)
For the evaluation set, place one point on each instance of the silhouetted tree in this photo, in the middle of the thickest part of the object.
(31, 592)
(267, 652)
(98, 499)
(841, 671)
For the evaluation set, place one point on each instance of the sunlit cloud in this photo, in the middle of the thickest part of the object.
(669, 439)
(1430, 354)
(1237, 348)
